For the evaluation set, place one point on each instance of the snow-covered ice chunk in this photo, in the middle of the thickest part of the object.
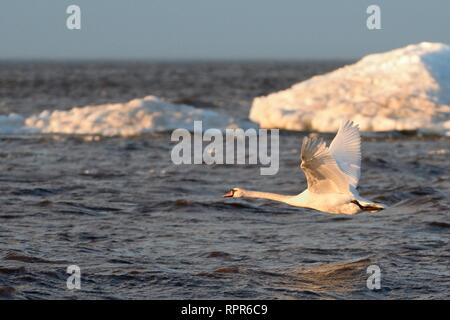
(138, 116)
(403, 89)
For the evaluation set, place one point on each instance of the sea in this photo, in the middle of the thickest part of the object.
(137, 226)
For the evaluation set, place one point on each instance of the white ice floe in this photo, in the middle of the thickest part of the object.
(403, 89)
(135, 117)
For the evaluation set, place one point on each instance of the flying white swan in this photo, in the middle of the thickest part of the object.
(332, 174)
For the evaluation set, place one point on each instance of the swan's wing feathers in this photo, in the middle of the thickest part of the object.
(322, 173)
(346, 150)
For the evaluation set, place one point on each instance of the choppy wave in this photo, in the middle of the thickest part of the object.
(138, 116)
(403, 89)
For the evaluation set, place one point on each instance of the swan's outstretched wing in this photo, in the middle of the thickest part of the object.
(346, 150)
(322, 172)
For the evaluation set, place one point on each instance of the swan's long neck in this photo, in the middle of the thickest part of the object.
(266, 195)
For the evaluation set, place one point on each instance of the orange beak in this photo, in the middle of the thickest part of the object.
(229, 194)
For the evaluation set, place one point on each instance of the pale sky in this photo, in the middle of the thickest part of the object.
(212, 29)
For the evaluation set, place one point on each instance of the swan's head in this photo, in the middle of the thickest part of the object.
(234, 193)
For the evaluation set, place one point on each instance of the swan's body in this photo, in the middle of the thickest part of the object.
(332, 174)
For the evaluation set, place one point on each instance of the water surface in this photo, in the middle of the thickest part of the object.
(140, 227)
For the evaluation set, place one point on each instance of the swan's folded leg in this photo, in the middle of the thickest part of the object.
(367, 205)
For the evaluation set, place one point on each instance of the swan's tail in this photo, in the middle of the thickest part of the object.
(367, 205)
